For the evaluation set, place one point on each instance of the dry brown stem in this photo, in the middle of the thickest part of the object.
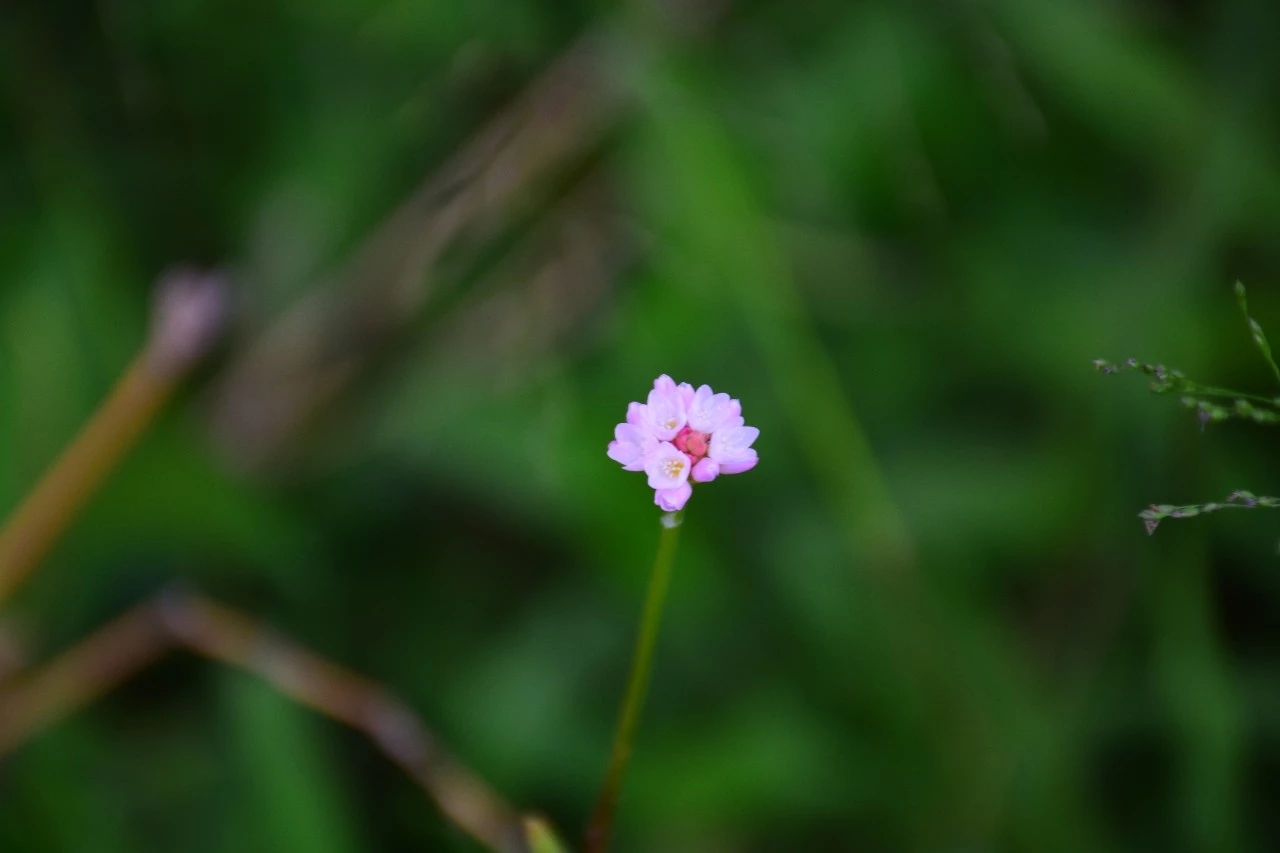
(35, 700)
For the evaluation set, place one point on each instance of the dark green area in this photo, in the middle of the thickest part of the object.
(930, 620)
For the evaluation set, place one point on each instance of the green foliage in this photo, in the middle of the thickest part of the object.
(293, 793)
(1212, 404)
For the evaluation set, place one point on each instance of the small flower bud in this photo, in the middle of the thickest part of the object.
(188, 315)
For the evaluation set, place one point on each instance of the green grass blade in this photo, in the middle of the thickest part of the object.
(541, 837)
(1259, 337)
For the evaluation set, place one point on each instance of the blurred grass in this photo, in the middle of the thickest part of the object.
(928, 621)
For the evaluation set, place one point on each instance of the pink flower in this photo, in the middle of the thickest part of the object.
(711, 411)
(667, 467)
(731, 447)
(681, 436)
(630, 445)
(665, 414)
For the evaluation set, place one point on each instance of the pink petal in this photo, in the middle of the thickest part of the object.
(634, 434)
(673, 500)
(745, 436)
(744, 463)
(705, 471)
(686, 394)
(622, 452)
(629, 456)
(711, 411)
(665, 413)
(632, 444)
(730, 444)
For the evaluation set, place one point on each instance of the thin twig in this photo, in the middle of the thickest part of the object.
(1239, 499)
(33, 700)
(186, 320)
(39, 698)
(112, 431)
(307, 357)
(545, 287)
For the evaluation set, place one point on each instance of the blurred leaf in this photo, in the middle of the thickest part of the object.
(64, 798)
(718, 247)
(542, 839)
(288, 779)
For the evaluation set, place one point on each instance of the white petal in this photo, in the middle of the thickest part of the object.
(665, 414)
(733, 444)
(635, 435)
(673, 500)
(745, 436)
(710, 412)
(743, 463)
(624, 453)
(686, 394)
(667, 467)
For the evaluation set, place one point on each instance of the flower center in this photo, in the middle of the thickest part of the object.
(692, 443)
(673, 467)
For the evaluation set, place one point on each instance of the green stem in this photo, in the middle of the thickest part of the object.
(601, 825)
(1195, 388)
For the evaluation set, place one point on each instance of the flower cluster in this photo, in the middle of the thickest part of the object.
(680, 436)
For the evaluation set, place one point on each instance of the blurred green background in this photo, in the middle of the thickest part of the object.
(898, 232)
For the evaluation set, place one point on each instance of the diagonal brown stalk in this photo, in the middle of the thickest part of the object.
(113, 430)
(304, 359)
(32, 700)
(187, 319)
(36, 700)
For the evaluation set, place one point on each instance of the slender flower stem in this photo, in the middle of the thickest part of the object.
(601, 825)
